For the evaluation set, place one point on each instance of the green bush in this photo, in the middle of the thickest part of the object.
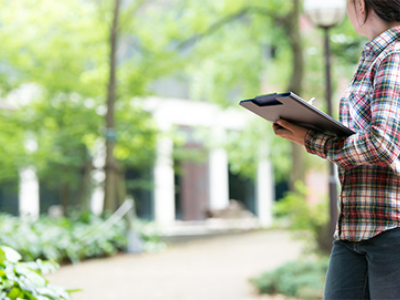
(301, 279)
(150, 234)
(311, 219)
(69, 239)
(21, 280)
(60, 239)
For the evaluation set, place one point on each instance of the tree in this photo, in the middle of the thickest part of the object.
(227, 69)
(42, 62)
(225, 50)
(291, 25)
(63, 57)
(13, 151)
(110, 189)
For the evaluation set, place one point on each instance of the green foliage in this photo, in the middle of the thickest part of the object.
(235, 50)
(303, 215)
(61, 63)
(12, 152)
(346, 47)
(224, 50)
(347, 44)
(65, 138)
(136, 144)
(56, 55)
(150, 234)
(23, 280)
(48, 47)
(224, 72)
(60, 239)
(310, 219)
(247, 147)
(62, 49)
(301, 279)
(70, 239)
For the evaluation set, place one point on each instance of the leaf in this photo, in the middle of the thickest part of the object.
(53, 293)
(15, 293)
(9, 254)
(44, 267)
(33, 277)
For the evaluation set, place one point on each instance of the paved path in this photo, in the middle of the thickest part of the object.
(212, 269)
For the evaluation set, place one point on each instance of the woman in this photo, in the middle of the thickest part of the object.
(365, 259)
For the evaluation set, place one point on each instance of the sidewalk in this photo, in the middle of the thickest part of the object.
(212, 269)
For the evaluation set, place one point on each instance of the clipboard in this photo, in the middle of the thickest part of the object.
(294, 109)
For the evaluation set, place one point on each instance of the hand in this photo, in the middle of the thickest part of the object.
(290, 131)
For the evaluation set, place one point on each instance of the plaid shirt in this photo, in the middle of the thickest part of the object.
(368, 161)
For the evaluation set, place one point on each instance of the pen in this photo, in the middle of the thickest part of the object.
(312, 100)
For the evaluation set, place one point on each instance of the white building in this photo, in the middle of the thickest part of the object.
(200, 186)
(206, 185)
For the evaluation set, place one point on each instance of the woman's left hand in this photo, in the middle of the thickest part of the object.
(290, 131)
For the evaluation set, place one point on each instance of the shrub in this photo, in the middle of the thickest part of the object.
(60, 239)
(21, 280)
(301, 279)
(311, 219)
(69, 239)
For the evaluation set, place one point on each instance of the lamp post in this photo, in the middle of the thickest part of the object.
(326, 14)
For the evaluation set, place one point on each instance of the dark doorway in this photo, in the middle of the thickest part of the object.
(191, 178)
(139, 184)
(242, 189)
(9, 202)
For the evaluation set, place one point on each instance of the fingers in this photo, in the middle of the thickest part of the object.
(289, 131)
(281, 127)
(280, 131)
(287, 125)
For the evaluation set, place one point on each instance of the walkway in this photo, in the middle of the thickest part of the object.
(212, 269)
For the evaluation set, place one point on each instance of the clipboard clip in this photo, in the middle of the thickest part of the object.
(267, 100)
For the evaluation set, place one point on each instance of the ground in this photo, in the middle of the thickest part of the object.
(209, 269)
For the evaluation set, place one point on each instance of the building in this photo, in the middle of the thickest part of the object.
(184, 189)
(207, 184)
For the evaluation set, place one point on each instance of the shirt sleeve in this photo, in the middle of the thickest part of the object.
(380, 144)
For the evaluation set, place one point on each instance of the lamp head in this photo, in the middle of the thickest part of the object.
(325, 13)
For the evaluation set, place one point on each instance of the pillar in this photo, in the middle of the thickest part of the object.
(164, 192)
(264, 192)
(29, 204)
(218, 179)
(98, 177)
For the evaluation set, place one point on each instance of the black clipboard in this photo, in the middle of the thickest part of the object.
(294, 109)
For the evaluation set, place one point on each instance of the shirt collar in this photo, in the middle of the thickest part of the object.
(383, 40)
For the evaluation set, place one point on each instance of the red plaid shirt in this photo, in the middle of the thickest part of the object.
(368, 161)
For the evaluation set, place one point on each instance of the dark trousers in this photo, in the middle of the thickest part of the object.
(365, 270)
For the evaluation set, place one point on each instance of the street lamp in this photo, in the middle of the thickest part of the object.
(326, 14)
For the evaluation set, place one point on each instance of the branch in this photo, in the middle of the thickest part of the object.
(214, 27)
(282, 20)
(279, 20)
(129, 12)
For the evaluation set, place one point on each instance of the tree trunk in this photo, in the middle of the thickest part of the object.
(84, 187)
(121, 190)
(292, 28)
(65, 197)
(110, 188)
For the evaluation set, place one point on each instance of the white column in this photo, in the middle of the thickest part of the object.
(218, 179)
(164, 193)
(264, 192)
(29, 204)
(97, 199)
(98, 177)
